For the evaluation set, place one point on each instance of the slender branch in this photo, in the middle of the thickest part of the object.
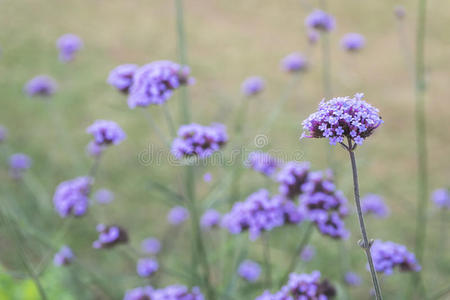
(169, 120)
(267, 260)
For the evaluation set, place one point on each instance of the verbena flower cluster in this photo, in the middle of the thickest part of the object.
(146, 267)
(68, 44)
(249, 270)
(374, 204)
(352, 279)
(63, 257)
(172, 292)
(210, 219)
(292, 177)
(72, 197)
(262, 162)
(342, 117)
(121, 77)
(199, 141)
(104, 196)
(441, 197)
(303, 287)
(177, 215)
(252, 86)
(106, 133)
(320, 20)
(151, 245)
(41, 85)
(109, 236)
(294, 62)
(388, 255)
(18, 164)
(353, 42)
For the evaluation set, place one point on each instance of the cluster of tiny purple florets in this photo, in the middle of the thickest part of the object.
(211, 218)
(146, 267)
(320, 20)
(292, 177)
(173, 292)
(353, 42)
(294, 62)
(252, 86)
(121, 77)
(42, 85)
(177, 215)
(63, 257)
(68, 44)
(109, 236)
(374, 204)
(441, 197)
(72, 197)
(18, 164)
(262, 162)
(342, 117)
(249, 270)
(388, 255)
(106, 133)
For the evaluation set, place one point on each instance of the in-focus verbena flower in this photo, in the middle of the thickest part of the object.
(3, 133)
(342, 117)
(292, 177)
(388, 255)
(352, 279)
(121, 77)
(199, 141)
(72, 197)
(308, 253)
(249, 270)
(294, 62)
(106, 132)
(353, 42)
(104, 196)
(262, 162)
(146, 267)
(177, 215)
(68, 44)
(441, 197)
(18, 164)
(374, 204)
(320, 20)
(210, 219)
(63, 257)
(151, 245)
(41, 85)
(252, 86)
(109, 236)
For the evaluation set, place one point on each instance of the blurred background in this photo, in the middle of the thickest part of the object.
(227, 41)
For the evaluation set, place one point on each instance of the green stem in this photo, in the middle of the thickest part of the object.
(267, 260)
(169, 120)
(156, 128)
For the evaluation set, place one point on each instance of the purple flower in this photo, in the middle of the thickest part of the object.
(207, 177)
(177, 215)
(3, 133)
(18, 164)
(210, 219)
(110, 236)
(388, 255)
(399, 12)
(106, 132)
(95, 150)
(313, 36)
(262, 162)
(292, 177)
(374, 204)
(63, 257)
(249, 270)
(252, 86)
(294, 62)
(320, 20)
(104, 196)
(139, 293)
(121, 77)
(41, 85)
(342, 117)
(200, 141)
(155, 82)
(72, 197)
(68, 44)
(308, 253)
(353, 42)
(177, 292)
(146, 267)
(441, 198)
(151, 246)
(352, 279)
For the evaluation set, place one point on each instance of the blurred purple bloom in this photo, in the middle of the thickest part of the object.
(177, 215)
(207, 177)
(294, 62)
(68, 44)
(252, 86)
(210, 219)
(388, 255)
(342, 117)
(400, 12)
(441, 197)
(41, 85)
(352, 279)
(262, 162)
(18, 164)
(72, 197)
(374, 204)
(353, 42)
(95, 150)
(308, 253)
(177, 292)
(198, 140)
(121, 77)
(139, 293)
(313, 36)
(320, 20)
(249, 270)
(292, 177)
(63, 257)
(106, 132)
(3, 133)
(146, 267)
(110, 236)
(104, 196)
(155, 82)
(151, 246)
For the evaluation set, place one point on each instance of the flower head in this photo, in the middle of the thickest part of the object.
(146, 267)
(72, 197)
(177, 215)
(68, 44)
(3, 133)
(63, 257)
(342, 117)
(18, 164)
(252, 86)
(388, 255)
(249, 270)
(292, 177)
(353, 42)
(106, 133)
(155, 82)
(41, 85)
(374, 204)
(262, 162)
(177, 292)
(308, 253)
(121, 77)
(151, 246)
(320, 20)
(210, 219)
(200, 141)
(400, 12)
(294, 62)
(110, 236)
(352, 279)
(139, 293)
(441, 197)
(104, 196)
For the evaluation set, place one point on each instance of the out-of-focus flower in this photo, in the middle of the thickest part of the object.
(72, 197)
(121, 77)
(3, 133)
(441, 197)
(388, 255)
(177, 292)
(352, 279)
(41, 85)
(155, 82)
(294, 62)
(207, 177)
(262, 162)
(110, 236)
(292, 177)
(95, 150)
(374, 204)
(151, 246)
(18, 164)
(146, 267)
(200, 141)
(177, 215)
(353, 42)
(249, 270)
(342, 117)
(320, 20)
(399, 12)
(104, 196)
(63, 257)
(68, 44)
(252, 86)
(139, 293)
(210, 219)
(308, 253)
(106, 133)
(313, 36)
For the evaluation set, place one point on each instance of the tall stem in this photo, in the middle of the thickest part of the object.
(366, 245)
(267, 260)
